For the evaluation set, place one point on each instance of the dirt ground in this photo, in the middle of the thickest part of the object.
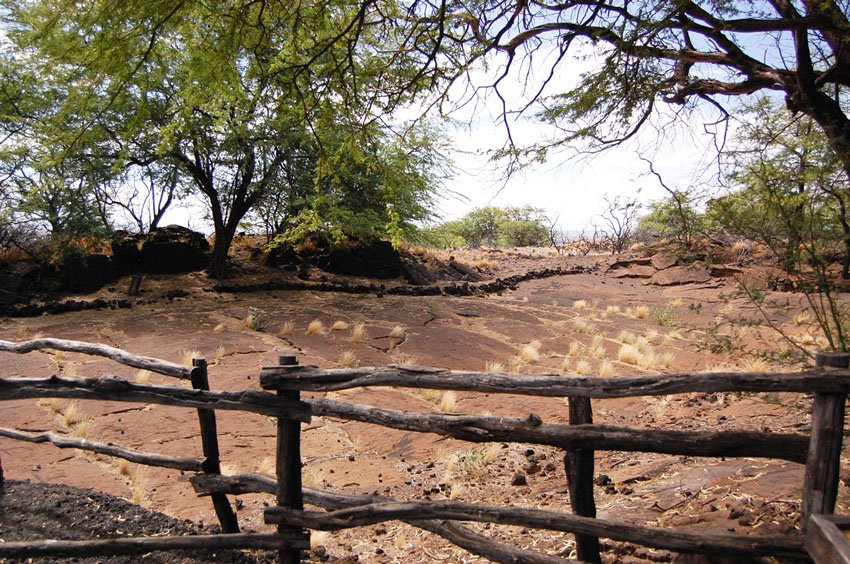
(575, 323)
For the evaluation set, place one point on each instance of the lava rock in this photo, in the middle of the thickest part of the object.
(174, 249)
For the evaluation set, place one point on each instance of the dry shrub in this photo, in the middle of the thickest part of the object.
(629, 354)
(597, 349)
(627, 337)
(530, 353)
(607, 369)
(642, 312)
(573, 348)
(493, 366)
(514, 365)
(398, 332)
(190, 354)
(580, 304)
(581, 325)
(582, 367)
(71, 414)
(565, 366)
(286, 328)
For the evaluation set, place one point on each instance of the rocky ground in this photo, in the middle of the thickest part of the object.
(678, 317)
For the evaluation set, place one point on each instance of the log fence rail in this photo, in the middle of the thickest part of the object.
(829, 382)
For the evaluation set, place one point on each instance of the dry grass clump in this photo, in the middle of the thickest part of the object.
(530, 353)
(485, 264)
(123, 467)
(139, 484)
(626, 337)
(315, 327)
(348, 359)
(448, 402)
(143, 376)
(667, 359)
(642, 312)
(254, 320)
(629, 354)
(403, 359)
(493, 366)
(286, 328)
(573, 350)
(472, 462)
(515, 365)
(358, 333)
(431, 396)
(189, 355)
(398, 331)
(59, 357)
(53, 404)
(580, 304)
(611, 309)
(597, 350)
(802, 318)
(565, 366)
(218, 328)
(582, 367)
(339, 326)
(266, 465)
(581, 325)
(642, 344)
(649, 360)
(607, 369)
(71, 414)
(81, 428)
(808, 340)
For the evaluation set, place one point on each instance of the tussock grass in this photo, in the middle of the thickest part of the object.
(431, 396)
(139, 484)
(493, 366)
(677, 302)
(71, 414)
(339, 326)
(582, 367)
(189, 355)
(348, 359)
(626, 337)
(286, 328)
(597, 349)
(642, 344)
(219, 354)
(581, 325)
(580, 304)
(667, 360)
(514, 365)
(606, 369)
(642, 312)
(802, 318)
(143, 376)
(398, 332)
(358, 333)
(629, 354)
(315, 327)
(266, 465)
(472, 462)
(573, 350)
(530, 353)
(448, 402)
(123, 467)
(53, 404)
(81, 428)
(565, 366)
(648, 361)
(612, 309)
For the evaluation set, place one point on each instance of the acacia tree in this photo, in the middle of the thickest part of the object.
(226, 91)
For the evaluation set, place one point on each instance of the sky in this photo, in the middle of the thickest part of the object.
(572, 189)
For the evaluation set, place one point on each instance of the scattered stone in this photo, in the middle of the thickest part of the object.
(519, 480)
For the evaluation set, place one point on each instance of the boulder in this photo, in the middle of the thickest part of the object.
(628, 262)
(417, 273)
(174, 249)
(678, 275)
(86, 273)
(10, 286)
(126, 252)
(661, 261)
(375, 259)
(724, 270)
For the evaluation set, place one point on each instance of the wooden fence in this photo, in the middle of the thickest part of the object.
(820, 452)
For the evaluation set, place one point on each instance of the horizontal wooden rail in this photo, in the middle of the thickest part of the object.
(122, 357)
(146, 458)
(206, 484)
(113, 388)
(785, 546)
(785, 446)
(143, 545)
(310, 378)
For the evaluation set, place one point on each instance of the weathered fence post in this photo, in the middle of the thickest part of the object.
(820, 483)
(579, 466)
(209, 440)
(288, 468)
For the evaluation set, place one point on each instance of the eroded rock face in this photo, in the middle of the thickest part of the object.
(678, 275)
(174, 249)
(376, 259)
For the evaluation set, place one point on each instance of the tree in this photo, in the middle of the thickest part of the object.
(620, 218)
(228, 93)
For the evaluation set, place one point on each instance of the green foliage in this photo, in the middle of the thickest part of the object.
(675, 216)
(491, 226)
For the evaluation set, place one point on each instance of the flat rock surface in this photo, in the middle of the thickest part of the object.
(575, 323)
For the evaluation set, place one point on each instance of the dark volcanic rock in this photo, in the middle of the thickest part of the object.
(417, 273)
(375, 259)
(126, 252)
(174, 249)
(85, 273)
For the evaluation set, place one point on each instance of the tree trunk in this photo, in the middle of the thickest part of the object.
(221, 247)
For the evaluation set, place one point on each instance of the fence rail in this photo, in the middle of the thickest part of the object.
(829, 382)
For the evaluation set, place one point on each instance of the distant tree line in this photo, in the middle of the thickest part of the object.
(491, 227)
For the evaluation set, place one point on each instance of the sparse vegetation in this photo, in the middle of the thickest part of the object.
(642, 312)
(582, 367)
(397, 331)
(580, 304)
(358, 333)
(339, 326)
(143, 376)
(493, 366)
(581, 325)
(315, 327)
(255, 320)
(348, 359)
(189, 355)
(473, 461)
(448, 402)
(286, 328)
(530, 353)
(606, 369)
